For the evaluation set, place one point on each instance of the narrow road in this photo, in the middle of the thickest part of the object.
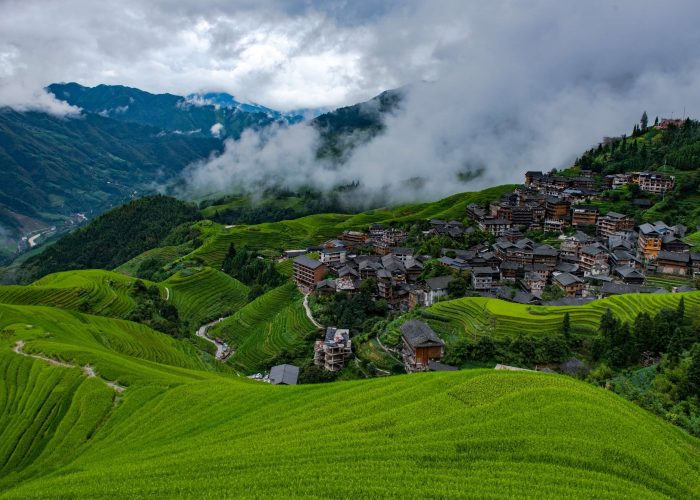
(167, 294)
(223, 351)
(88, 370)
(308, 313)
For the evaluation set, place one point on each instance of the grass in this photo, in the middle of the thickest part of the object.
(99, 292)
(694, 240)
(311, 230)
(273, 323)
(164, 254)
(205, 294)
(181, 431)
(478, 316)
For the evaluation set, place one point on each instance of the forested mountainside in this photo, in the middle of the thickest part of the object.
(113, 238)
(53, 167)
(193, 115)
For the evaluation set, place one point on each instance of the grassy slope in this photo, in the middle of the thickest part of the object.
(313, 229)
(167, 254)
(481, 316)
(179, 432)
(205, 294)
(270, 324)
(99, 292)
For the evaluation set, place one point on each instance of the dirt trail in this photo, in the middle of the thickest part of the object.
(223, 351)
(88, 370)
(309, 315)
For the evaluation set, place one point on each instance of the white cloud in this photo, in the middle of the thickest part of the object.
(216, 129)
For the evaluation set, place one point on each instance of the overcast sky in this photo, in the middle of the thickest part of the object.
(513, 84)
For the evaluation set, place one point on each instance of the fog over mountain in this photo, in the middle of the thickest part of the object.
(497, 87)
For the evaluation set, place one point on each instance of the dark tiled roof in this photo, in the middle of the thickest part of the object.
(303, 260)
(419, 334)
(284, 374)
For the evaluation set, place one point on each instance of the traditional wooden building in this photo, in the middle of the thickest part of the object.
(420, 345)
(584, 216)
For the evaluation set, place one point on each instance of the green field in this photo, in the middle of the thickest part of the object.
(694, 240)
(205, 294)
(94, 291)
(272, 323)
(314, 229)
(182, 430)
(166, 254)
(478, 316)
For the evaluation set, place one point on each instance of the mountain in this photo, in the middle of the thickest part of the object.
(53, 167)
(346, 128)
(193, 115)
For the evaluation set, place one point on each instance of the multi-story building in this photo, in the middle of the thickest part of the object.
(677, 263)
(649, 242)
(331, 352)
(584, 216)
(613, 223)
(308, 272)
(420, 345)
(570, 284)
(557, 209)
(653, 182)
(496, 227)
(484, 278)
(593, 259)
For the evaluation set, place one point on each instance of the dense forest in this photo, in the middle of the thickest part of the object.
(113, 238)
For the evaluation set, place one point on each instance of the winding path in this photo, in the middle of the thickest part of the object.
(88, 370)
(309, 314)
(167, 294)
(223, 352)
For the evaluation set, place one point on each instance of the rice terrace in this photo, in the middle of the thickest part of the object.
(332, 249)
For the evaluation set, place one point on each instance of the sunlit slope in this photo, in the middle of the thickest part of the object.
(95, 291)
(272, 323)
(499, 318)
(205, 294)
(314, 229)
(50, 412)
(472, 434)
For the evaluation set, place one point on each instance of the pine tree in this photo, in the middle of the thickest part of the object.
(690, 385)
(680, 310)
(566, 325)
(644, 121)
(656, 121)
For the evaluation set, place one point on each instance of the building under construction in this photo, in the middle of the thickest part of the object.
(331, 352)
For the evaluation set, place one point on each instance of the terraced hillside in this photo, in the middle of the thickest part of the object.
(205, 294)
(479, 316)
(98, 292)
(272, 323)
(313, 229)
(178, 430)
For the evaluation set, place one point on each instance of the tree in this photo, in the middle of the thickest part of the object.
(680, 310)
(644, 121)
(656, 121)
(566, 326)
(690, 386)
(457, 287)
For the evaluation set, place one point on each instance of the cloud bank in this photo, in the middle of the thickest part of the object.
(502, 86)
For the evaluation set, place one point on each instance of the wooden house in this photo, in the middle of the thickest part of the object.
(420, 345)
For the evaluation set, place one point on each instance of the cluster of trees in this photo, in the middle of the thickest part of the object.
(253, 270)
(523, 350)
(153, 311)
(668, 332)
(113, 238)
(353, 311)
(669, 342)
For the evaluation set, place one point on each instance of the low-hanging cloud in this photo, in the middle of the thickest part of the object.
(493, 87)
(502, 89)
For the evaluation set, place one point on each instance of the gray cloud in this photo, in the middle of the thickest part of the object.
(509, 85)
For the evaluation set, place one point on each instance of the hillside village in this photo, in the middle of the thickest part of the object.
(579, 254)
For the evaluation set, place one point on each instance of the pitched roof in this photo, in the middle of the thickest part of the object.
(566, 279)
(303, 260)
(284, 374)
(419, 334)
(439, 282)
(673, 256)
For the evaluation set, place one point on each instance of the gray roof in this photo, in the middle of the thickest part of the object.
(419, 334)
(647, 229)
(402, 250)
(439, 283)
(592, 250)
(673, 256)
(284, 374)
(307, 262)
(546, 250)
(567, 279)
(436, 366)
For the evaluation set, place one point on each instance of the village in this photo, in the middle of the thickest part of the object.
(593, 255)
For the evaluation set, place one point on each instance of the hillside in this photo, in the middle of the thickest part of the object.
(496, 433)
(194, 115)
(113, 238)
(54, 167)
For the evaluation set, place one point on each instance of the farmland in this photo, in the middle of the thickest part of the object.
(272, 323)
(469, 433)
(205, 294)
(478, 316)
